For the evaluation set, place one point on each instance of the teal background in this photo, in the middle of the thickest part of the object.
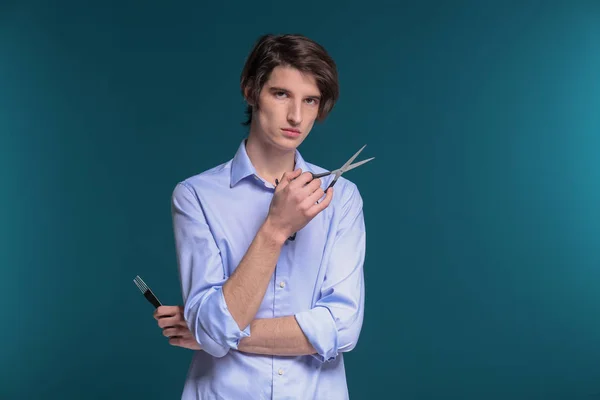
(482, 205)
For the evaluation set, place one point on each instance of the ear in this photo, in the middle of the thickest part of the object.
(247, 95)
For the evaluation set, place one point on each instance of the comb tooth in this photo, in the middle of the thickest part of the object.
(140, 283)
(138, 286)
(144, 286)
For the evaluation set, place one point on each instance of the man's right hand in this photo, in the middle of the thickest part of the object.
(294, 203)
(172, 322)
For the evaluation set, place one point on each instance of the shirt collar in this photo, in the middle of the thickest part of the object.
(241, 166)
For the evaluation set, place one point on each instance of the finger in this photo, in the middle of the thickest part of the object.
(185, 343)
(312, 192)
(177, 320)
(291, 176)
(301, 180)
(171, 321)
(177, 340)
(174, 331)
(305, 195)
(312, 186)
(288, 177)
(313, 198)
(317, 208)
(165, 311)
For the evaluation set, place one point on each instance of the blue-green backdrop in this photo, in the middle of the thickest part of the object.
(482, 206)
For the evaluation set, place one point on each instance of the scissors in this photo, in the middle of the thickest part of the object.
(338, 172)
(345, 168)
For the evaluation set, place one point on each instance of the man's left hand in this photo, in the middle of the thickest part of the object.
(170, 319)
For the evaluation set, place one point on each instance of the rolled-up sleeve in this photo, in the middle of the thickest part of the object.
(202, 276)
(334, 323)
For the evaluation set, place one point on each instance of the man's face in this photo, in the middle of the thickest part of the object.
(288, 107)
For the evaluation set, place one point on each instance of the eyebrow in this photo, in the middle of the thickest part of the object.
(280, 89)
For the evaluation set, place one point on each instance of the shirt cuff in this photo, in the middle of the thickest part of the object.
(218, 330)
(320, 330)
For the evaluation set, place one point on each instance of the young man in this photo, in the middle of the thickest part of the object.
(271, 264)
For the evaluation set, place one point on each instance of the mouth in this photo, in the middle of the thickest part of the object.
(293, 132)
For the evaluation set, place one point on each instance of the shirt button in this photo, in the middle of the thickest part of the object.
(280, 372)
(281, 284)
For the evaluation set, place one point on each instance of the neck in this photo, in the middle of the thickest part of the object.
(270, 163)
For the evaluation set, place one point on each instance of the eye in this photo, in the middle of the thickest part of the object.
(280, 94)
(312, 101)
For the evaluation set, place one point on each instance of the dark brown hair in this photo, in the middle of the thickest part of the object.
(295, 51)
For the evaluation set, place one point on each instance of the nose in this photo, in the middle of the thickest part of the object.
(295, 113)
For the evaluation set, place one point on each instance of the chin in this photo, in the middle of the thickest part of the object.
(287, 144)
(290, 142)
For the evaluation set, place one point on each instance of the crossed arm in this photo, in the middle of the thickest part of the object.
(332, 325)
(277, 336)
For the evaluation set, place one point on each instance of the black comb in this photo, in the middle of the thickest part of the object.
(146, 291)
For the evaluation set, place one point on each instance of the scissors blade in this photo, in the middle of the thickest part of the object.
(347, 163)
(358, 164)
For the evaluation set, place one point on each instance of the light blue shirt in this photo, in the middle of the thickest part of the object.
(318, 279)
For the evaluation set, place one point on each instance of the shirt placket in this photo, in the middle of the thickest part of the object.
(280, 300)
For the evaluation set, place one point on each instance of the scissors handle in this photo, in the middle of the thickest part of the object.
(332, 183)
(315, 176)
(321, 175)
